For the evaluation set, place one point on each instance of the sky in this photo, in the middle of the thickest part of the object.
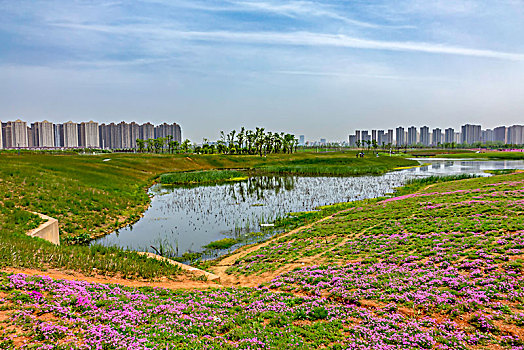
(317, 68)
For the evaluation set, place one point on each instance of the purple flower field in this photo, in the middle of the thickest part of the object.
(440, 269)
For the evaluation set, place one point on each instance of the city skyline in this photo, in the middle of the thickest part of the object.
(91, 134)
(315, 68)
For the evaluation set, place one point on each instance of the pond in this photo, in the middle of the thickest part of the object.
(184, 219)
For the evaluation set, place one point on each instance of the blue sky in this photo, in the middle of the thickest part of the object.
(319, 68)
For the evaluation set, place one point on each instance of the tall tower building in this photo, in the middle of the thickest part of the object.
(381, 139)
(124, 131)
(470, 134)
(499, 134)
(516, 135)
(399, 137)
(89, 135)
(134, 133)
(449, 135)
(424, 135)
(70, 134)
(43, 134)
(15, 134)
(147, 131)
(59, 135)
(412, 135)
(389, 136)
(436, 137)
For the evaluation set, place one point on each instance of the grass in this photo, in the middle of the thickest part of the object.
(91, 197)
(222, 243)
(441, 268)
(203, 177)
(452, 252)
(336, 166)
(413, 185)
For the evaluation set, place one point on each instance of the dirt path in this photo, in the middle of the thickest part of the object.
(252, 281)
(184, 281)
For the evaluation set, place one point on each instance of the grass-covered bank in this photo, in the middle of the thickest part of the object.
(486, 155)
(94, 195)
(91, 196)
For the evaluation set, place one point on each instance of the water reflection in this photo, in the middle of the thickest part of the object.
(187, 218)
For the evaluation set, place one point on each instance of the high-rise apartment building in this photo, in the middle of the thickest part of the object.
(365, 136)
(516, 135)
(449, 135)
(147, 131)
(1, 136)
(412, 135)
(70, 134)
(436, 137)
(470, 134)
(487, 136)
(43, 134)
(399, 136)
(134, 132)
(15, 134)
(424, 135)
(352, 140)
(389, 139)
(374, 135)
(499, 134)
(89, 134)
(381, 139)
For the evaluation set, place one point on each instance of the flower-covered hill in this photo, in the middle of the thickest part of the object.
(439, 269)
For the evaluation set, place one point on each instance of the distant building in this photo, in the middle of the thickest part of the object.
(59, 135)
(1, 136)
(301, 140)
(352, 140)
(470, 134)
(374, 135)
(43, 134)
(389, 139)
(499, 134)
(323, 141)
(412, 135)
(424, 136)
(147, 131)
(70, 134)
(365, 136)
(399, 137)
(516, 135)
(381, 139)
(436, 137)
(487, 136)
(89, 135)
(15, 134)
(449, 136)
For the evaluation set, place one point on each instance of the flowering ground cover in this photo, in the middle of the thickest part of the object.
(438, 269)
(40, 313)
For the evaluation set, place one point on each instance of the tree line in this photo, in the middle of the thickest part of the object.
(245, 141)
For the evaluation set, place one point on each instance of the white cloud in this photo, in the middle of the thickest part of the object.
(163, 33)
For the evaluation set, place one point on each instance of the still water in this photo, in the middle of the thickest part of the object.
(186, 219)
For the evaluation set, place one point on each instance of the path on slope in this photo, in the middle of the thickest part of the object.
(229, 280)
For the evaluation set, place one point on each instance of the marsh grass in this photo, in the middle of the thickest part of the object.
(203, 177)
(222, 243)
